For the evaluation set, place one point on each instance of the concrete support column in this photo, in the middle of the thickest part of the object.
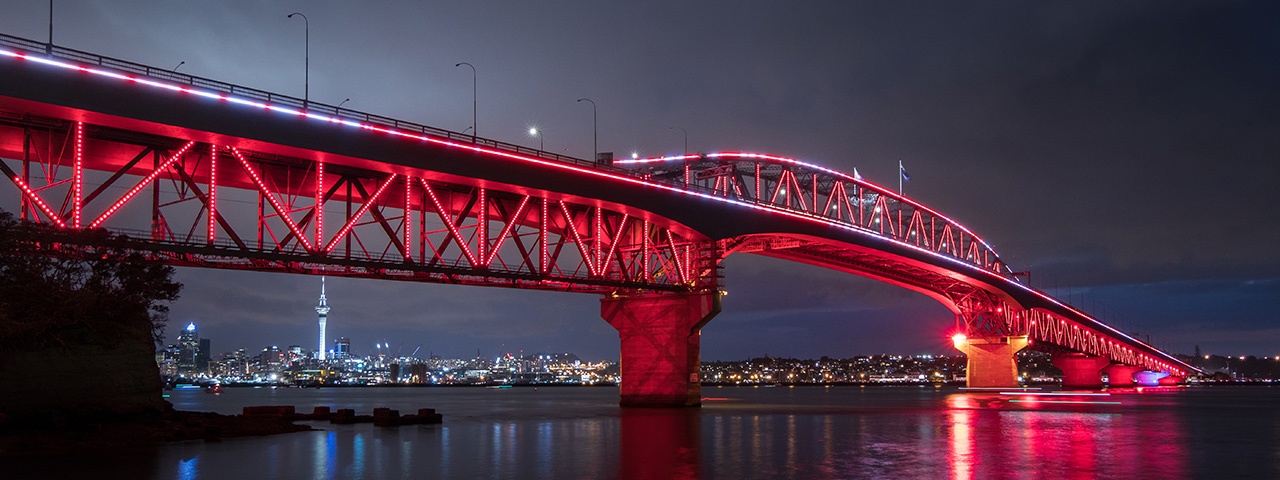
(661, 340)
(1080, 370)
(1120, 375)
(992, 362)
(1148, 378)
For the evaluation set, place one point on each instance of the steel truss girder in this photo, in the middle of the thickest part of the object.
(401, 226)
(985, 315)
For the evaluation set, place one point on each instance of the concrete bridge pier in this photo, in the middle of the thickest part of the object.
(1148, 378)
(1080, 370)
(1120, 375)
(661, 342)
(992, 361)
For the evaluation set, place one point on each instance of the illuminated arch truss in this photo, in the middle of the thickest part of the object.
(808, 190)
(194, 204)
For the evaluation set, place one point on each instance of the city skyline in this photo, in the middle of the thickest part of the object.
(1095, 148)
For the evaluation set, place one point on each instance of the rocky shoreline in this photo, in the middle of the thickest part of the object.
(60, 434)
(66, 433)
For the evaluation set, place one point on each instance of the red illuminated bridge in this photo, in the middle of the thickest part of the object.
(203, 173)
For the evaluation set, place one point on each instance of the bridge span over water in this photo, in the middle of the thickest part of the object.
(197, 172)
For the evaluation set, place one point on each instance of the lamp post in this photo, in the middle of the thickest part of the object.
(595, 146)
(306, 72)
(344, 102)
(537, 133)
(175, 69)
(49, 48)
(686, 138)
(473, 99)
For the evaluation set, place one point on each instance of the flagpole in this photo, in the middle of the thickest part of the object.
(899, 178)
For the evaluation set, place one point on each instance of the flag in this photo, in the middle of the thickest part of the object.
(855, 174)
(904, 172)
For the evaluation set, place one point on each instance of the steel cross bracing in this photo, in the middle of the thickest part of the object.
(813, 191)
(196, 204)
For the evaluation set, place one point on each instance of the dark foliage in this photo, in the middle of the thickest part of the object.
(59, 288)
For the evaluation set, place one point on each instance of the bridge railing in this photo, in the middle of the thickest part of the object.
(35, 48)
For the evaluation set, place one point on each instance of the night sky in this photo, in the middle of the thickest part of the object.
(1126, 153)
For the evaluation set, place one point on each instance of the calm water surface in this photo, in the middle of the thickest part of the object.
(801, 433)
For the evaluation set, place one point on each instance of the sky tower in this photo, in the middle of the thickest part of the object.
(323, 310)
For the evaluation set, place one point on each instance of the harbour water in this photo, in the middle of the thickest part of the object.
(740, 432)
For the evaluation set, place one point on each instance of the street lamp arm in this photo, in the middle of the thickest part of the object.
(306, 87)
(686, 137)
(474, 130)
(595, 144)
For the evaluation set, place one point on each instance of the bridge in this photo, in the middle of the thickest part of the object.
(200, 173)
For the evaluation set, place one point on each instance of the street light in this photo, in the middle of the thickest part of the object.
(474, 130)
(533, 131)
(344, 102)
(595, 146)
(49, 49)
(306, 75)
(175, 69)
(686, 138)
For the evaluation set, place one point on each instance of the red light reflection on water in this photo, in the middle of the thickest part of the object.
(961, 416)
(992, 437)
(660, 444)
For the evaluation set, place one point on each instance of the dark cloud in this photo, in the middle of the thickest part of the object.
(1126, 150)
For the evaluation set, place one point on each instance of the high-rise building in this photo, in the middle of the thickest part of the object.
(342, 348)
(295, 353)
(323, 310)
(188, 349)
(202, 356)
(271, 360)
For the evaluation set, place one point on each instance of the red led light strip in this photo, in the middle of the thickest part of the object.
(482, 225)
(577, 239)
(319, 207)
(213, 192)
(408, 216)
(448, 223)
(44, 207)
(142, 184)
(515, 217)
(77, 186)
(364, 207)
(271, 198)
(543, 256)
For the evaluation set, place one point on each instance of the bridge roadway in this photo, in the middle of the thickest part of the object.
(104, 103)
